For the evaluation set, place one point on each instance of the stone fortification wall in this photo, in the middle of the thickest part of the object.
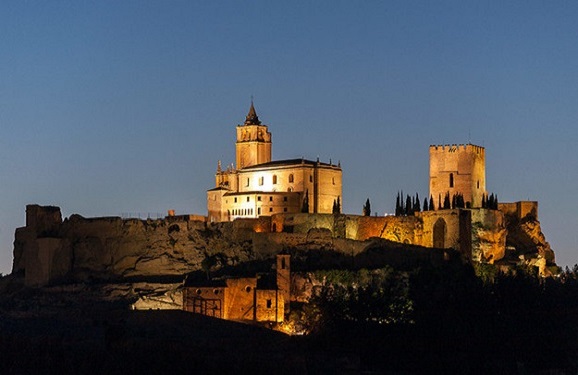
(520, 209)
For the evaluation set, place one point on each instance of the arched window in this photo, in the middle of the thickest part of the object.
(451, 180)
(291, 178)
(274, 179)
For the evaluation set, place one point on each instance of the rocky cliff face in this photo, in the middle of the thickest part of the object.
(527, 244)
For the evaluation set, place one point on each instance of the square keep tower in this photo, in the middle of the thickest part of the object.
(457, 169)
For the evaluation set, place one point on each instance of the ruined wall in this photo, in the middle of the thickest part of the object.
(239, 299)
(269, 305)
(520, 209)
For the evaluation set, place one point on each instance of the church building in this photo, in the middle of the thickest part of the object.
(258, 186)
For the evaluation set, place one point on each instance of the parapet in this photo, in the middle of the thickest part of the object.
(468, 148)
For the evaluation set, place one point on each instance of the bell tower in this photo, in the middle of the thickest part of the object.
(253, 144)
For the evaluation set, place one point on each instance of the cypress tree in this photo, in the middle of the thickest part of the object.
(367, 208)
(397, 206)
(447, 203)
(431, 203)
(417, 206)
(408, 206)
(305, 207)
(425, 205)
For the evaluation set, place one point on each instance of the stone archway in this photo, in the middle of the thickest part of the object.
(439, 233)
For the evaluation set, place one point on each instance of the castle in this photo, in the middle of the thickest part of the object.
(261, 209)
(259, 186)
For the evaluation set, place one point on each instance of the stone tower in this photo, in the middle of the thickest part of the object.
(253, 144)
(457, 169)
(284, 277)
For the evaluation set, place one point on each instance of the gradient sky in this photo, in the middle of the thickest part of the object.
(116, 107)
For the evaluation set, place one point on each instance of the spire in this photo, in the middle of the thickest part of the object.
(252, 118)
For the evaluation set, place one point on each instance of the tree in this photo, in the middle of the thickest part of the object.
(367, 208)
(425, 205)
(337, 206)
(431, 203)
(408, 206)
(305, 207)
(416, 205)
(447, 203)
(398, 205)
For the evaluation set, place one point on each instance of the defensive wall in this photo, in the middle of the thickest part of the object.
(520, 210)
(50, 248)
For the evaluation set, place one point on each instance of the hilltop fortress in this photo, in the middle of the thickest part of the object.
(262, 207)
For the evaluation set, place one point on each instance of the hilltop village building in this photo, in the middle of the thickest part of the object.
(259, 186)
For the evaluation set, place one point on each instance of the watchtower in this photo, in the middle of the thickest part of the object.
(457, 169)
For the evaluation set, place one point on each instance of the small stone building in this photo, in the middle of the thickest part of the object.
(262, 298)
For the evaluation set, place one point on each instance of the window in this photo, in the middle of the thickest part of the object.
(248, 289)
(451, 180)
(310, 178)
(261, 180)
(284, 199)
(235, 200)
(270, 199)
(269, 304)
(259, 198)
(270, 209)
(291, 178)
(284, 209)
(274, 179)
(333, 180)
(247, 181)
(199, 291)
(283, 265)
(478, 184)
(258, 210)
(247, 199)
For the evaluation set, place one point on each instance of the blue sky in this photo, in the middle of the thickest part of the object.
(111, 107)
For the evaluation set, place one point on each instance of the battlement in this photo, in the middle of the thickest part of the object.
(468, 148)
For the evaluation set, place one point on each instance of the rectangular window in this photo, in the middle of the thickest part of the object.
(270, 199)
(259, 198)
(284, 199)
(285, 209)
(269, 304)
(270, 209)
(247, 199)
(258, 210)
(235, 200)
(247, 181)
(261, 180)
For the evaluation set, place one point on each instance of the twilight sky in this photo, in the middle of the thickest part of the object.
(125, 107)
